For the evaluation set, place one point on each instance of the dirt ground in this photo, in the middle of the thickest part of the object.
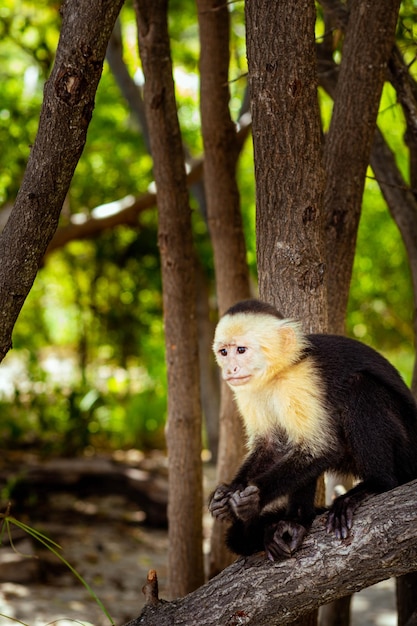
(100, 539)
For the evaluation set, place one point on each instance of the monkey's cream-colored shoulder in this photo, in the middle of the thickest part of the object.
(293, 402)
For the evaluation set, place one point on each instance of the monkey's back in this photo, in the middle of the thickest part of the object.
(369, 402)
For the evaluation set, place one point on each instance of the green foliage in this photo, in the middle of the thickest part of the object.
(28, 36)
(103, 383)
(381, 300)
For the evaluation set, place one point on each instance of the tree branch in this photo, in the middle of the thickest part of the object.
(66, 112)
(255, 591)
(126, 210)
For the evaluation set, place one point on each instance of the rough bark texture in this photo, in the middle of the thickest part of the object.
(368, 43)
(288, 165)
(221, 149)
(66, 112)
(256, 592)
(177, 258)
(287, 148)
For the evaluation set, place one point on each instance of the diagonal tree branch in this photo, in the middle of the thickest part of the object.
(371, 30)
(256, 592)
(66, 113)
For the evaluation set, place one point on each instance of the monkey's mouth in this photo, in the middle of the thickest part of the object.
(238, 380)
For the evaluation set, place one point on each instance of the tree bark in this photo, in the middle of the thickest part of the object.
(221, 151)
(288, 167)
(177, 258)
(66, 113)
(367, 46)
(257, 592)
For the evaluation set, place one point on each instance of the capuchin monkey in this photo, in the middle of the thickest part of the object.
(310, 404)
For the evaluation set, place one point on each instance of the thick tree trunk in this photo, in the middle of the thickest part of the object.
(185, 557)
(256, 592)
(287, 148)
(221, 149)
(288, 166)
(367, 46)
(66, 113)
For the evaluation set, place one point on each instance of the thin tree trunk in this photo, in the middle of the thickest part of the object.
(66, 113)
(367, 46)
(128, 88)
(221, 149)
(403, 208)
(185, 557)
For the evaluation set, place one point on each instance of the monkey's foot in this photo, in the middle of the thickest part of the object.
(245, 503)
(283, 539)
(340, 517)
(219, 505)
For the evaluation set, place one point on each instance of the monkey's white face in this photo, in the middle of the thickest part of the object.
(240, 362)
(252, 348)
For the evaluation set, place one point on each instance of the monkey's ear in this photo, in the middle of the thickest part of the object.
(288, 339)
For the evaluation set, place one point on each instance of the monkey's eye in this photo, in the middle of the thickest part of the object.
(223, 352)
(241, 349)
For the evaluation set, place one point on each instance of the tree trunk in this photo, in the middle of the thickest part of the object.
(179, 296)
(66, 113)
(288, 168)
(287, 148)
(256, 592)
(355, 133)
(401, 198)
(367, 46)
(221, 150)
(209, 374)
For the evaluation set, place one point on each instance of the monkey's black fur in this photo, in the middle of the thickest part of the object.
(372, 419)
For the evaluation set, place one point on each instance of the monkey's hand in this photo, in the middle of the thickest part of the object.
(219, 505)
(340, 517)
(245, 503)
(283, 539)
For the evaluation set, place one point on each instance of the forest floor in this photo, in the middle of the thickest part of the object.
(113, 554)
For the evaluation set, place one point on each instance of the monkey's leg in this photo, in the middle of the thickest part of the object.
(340, 516)
(246, 538)
(283, 539)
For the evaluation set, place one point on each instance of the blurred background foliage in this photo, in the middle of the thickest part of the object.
(87, 370)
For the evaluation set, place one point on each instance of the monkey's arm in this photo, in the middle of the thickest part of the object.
(294, 473)
(240, 498)
(228, 504)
